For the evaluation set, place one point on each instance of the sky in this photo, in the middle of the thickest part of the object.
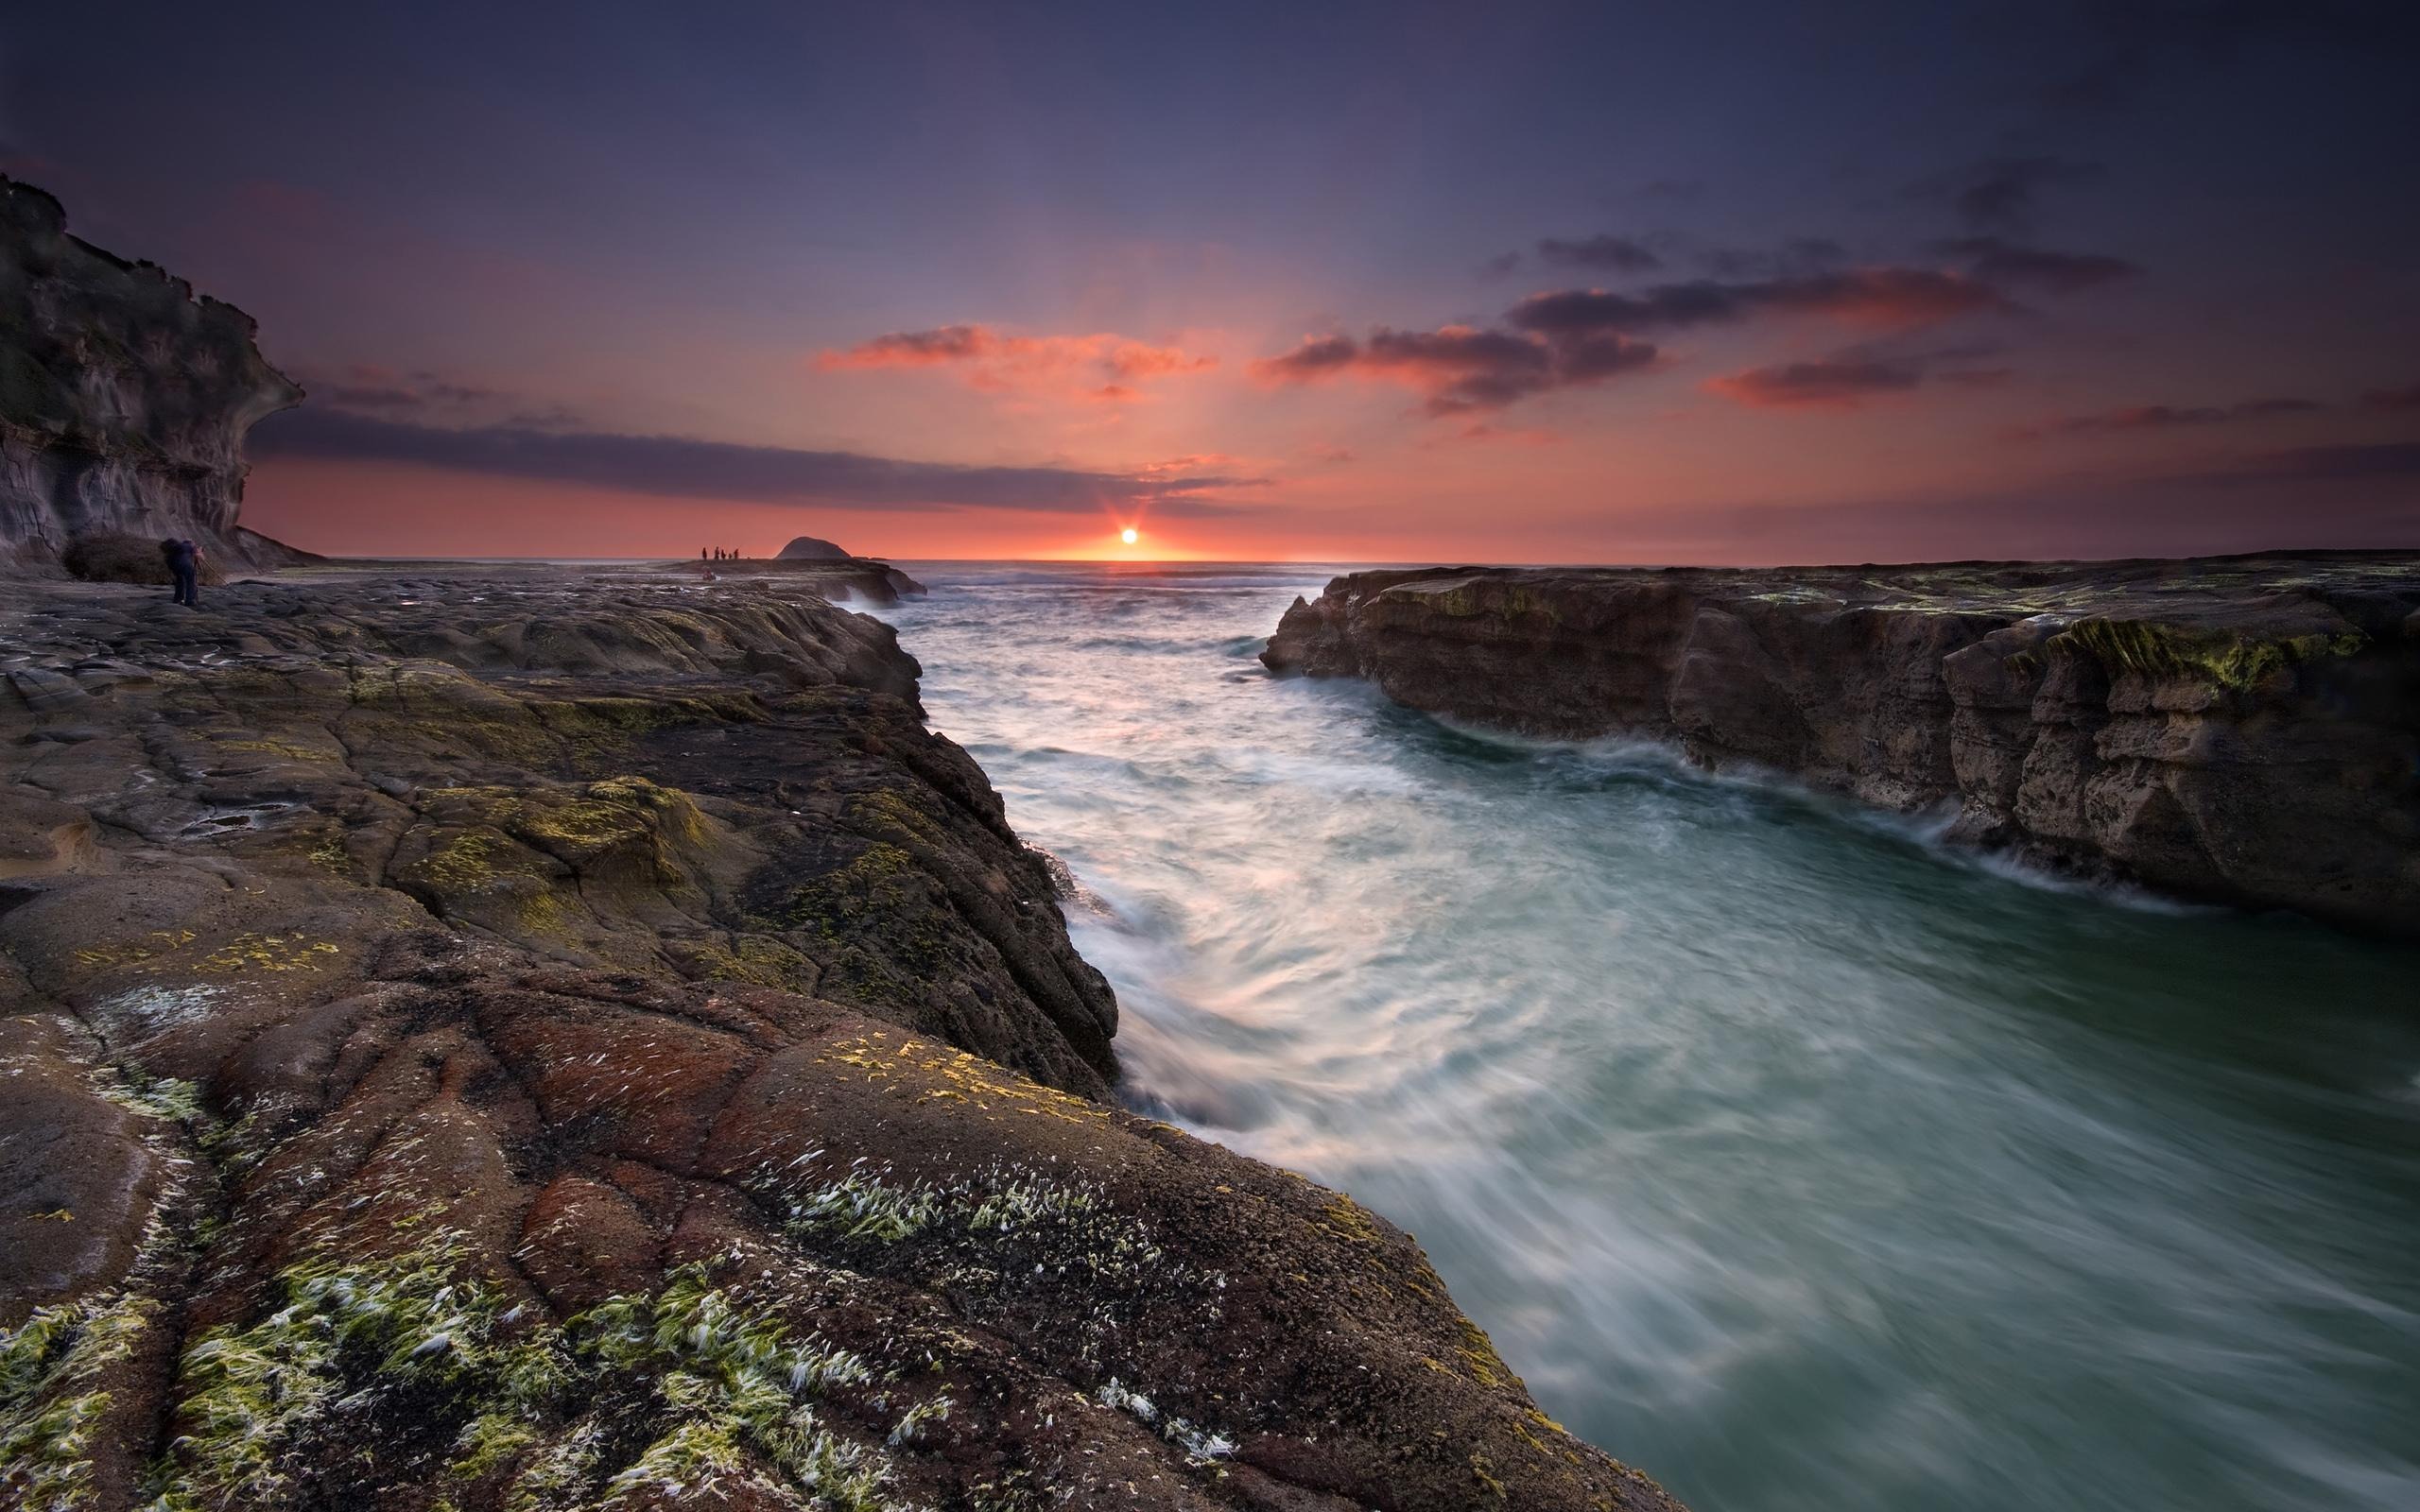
(1731, 282)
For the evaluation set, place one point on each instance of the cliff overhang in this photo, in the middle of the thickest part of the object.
(124, 397)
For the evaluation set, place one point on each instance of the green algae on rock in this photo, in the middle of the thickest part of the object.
(631, 1067)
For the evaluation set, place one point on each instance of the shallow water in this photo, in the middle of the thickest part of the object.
(1791, 1157)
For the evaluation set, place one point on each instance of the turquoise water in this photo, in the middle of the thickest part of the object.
(1795, 1159)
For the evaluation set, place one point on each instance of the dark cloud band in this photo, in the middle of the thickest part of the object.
(1463, 369)
(677, 467)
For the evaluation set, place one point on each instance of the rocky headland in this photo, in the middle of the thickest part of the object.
(2241, 729)
(869, 580)
(124, 398)
(511, 1042)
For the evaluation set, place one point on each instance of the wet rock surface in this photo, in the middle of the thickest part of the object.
(2240, 730)
(840, 576)
(845, 580)
(493, 1040)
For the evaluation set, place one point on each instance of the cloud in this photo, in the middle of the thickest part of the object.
(1619, 254)
(367, 386)
(2006, 263)
(913, 349)
(1890, 297)
(1315, 357)
(1797, 257)
(1102, 366)
(2406, 397)
(1977, 377)
(1575, 338)
(2165, 417)
(1999, 194)
(1463, 368)
(675, 467)
(1817, 384)
(1511, 436)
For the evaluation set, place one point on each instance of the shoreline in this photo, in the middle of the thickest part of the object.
(2247, 735)
(548, 956)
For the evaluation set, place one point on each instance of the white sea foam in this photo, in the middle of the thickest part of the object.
(1809, 1157)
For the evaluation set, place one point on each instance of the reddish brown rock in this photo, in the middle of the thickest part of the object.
(527, 1041)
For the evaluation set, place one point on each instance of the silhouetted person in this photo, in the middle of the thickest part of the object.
(184, 564)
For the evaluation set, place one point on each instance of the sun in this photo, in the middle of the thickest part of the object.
(1130, 535)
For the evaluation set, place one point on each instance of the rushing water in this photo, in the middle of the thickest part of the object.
(1795, 1159)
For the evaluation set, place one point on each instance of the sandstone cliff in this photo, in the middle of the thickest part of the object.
(124, 398)
(500, 1042)
(2240, 729)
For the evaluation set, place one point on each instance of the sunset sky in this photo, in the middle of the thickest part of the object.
(1610, 283)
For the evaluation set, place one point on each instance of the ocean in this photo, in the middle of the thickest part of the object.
(1789, 1153)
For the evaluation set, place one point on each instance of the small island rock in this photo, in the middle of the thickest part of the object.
(809, 548)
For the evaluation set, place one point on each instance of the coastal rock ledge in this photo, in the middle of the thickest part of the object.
(2238, 730)
(501, 1041)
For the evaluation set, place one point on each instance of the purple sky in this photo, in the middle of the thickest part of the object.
(1725, 281)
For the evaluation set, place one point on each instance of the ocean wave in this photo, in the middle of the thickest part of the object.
(1722, 1101)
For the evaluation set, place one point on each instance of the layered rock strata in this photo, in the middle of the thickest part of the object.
(2241, 729)
(475, 1043)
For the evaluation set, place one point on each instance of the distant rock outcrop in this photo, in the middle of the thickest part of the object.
(2243, 729)
(124, 397)
(811, 548)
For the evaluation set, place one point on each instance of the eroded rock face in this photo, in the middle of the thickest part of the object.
(124, 397)
(2242, 730)
(483, 1044)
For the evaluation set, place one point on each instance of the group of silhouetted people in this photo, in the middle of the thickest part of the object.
(718, 554)
(183, 558)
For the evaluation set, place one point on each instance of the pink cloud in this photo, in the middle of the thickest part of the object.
(1101, 367)
(1815, 385)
